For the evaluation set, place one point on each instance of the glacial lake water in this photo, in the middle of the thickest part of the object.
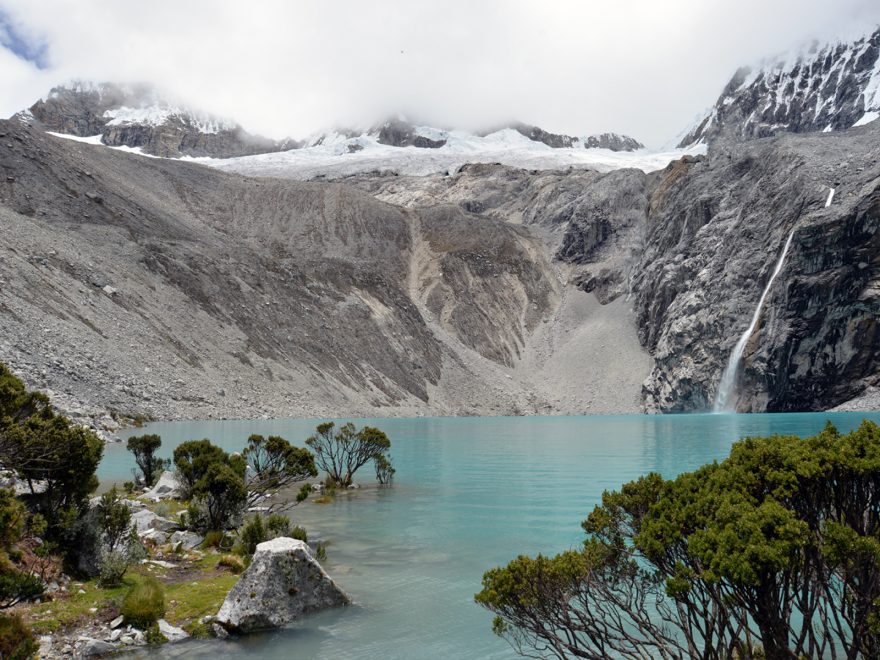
(469, 494)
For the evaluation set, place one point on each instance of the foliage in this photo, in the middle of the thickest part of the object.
(114, 518)
(384, 470)
(257, 530)
(42, 446)
(153, 636)
(144, 604)
(193, 458)
(15, 585)
(320, 552)
(276, 464)
(223, 493)
(112, 566)
(777, 548)
(144, 448)
(233, 563)
(12, 518)
(16, 640)
(341, 453)
(252, 534)
(278, 525)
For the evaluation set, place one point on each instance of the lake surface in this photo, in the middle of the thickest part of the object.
(469, 494)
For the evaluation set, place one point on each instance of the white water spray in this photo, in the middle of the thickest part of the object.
(725, 399)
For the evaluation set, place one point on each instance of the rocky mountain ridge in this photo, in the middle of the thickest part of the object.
(139, 117)
(824, 87)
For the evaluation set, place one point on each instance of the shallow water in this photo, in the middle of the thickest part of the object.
(469, 494)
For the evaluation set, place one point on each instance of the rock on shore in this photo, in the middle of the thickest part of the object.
(283, 582)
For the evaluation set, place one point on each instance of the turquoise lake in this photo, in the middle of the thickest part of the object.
(469, 494)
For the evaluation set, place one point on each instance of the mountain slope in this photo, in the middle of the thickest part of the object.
(160, 287)
(826, 87)
(138, 116)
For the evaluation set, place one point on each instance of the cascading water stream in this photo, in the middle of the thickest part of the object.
(725, 399)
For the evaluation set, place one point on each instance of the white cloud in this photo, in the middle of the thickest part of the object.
(641, 67)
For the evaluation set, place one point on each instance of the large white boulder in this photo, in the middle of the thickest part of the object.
(166, 487)
(283, 582)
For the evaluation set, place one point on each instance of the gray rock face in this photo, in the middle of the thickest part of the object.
(826, 87)
(283, 582)
(138, 116)
(612, 141)
(715, 230)
(397, 133)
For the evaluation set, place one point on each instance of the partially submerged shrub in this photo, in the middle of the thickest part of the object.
(144, 604)
(16, 639)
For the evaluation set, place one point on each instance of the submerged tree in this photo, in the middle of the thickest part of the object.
(276, 464)
(341, 453)
(772, 553)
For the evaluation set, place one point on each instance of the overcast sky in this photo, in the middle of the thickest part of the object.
(641, 67)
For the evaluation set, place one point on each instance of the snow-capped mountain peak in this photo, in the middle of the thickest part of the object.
(822, 87)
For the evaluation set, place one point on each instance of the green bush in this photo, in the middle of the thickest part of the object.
(114, 518)
(299, 533)
(252, 534)
(153, 636)
(144, 448)
(278, 525)
(144, 604)
(112, 567)
(16, 639)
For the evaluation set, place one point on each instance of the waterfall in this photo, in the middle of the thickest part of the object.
(725, 399)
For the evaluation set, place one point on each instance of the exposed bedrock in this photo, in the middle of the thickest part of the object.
(715, 232)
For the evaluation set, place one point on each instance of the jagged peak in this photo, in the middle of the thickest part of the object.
(820, 86)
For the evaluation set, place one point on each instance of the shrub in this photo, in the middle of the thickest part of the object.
(275, 464)
(144, 604)
(114, 518)
(112, 567)
(776, 547)
(144, 448)
(299, 533)
(384, 470)
(192, 460)
(233, 563)
(222, 492)
(16, 587)
(214, 539)
(252, 534)
(341, 453)
(278, 525)
(128, 487)
(16, 639)
(153, 636)
(320, 552)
